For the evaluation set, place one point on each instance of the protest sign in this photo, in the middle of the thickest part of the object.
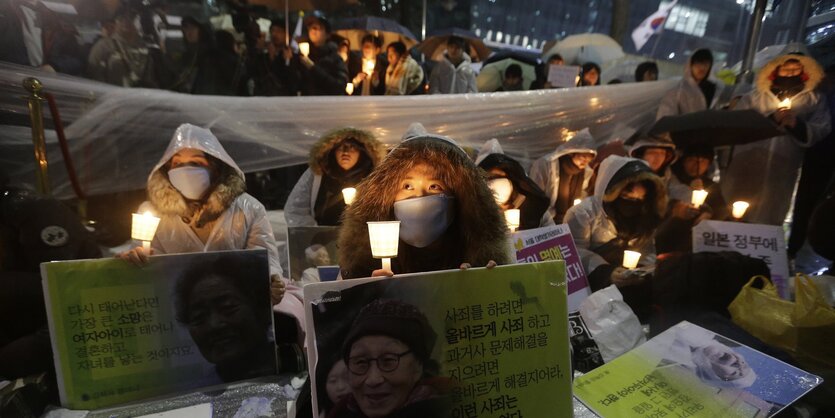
(554, 243)
(766, 242)
(688, 371)
(457, 343)
(122, 333)
(309, 247)
(563, 75)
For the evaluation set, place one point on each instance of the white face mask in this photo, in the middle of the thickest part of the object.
(191, 181)
(502, 188)
(423, 219)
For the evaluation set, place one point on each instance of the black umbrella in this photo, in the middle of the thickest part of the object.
(390, 31)
(717, 128)
(435, 44)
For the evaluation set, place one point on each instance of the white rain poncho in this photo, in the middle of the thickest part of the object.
(545, 171)
(675, 190)
(243, 224)
(687, 97)
(764, 173)
(447, 78)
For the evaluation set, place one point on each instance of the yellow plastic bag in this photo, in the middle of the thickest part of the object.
(804, 328)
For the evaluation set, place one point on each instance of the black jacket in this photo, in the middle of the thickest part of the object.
(329, 75)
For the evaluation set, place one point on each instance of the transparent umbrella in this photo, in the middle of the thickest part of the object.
(587, 47)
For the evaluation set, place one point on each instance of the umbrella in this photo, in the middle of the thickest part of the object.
(587, 47)
(390, 31)
(717, 127)
(492, 73)
(435, 44)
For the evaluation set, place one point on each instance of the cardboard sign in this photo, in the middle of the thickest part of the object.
(688, 371)
(309, 247)
(473, 343)
(766, 242)
(122, 333)
(563, 75)
(554, 243)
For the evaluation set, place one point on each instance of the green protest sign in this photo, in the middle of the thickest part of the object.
(474, 343)
(122, 333)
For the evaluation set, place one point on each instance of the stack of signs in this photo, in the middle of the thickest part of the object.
(688, 371)
(473, 343)
(122, 333)
(312, 253)
(766, 242)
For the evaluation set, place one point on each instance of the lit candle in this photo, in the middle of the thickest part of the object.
(512, 218)
(348, 194)
(739, 209)
(785, 103)
(630, 259)
(384, 237)
(349, 88)
(697, 198)
(304, 48)
(368, 66)
(577, 201)
(143, 228)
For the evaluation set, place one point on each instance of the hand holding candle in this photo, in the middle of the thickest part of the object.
(348, 194)
(143, 228)
(384, 237)
(512, 218)
(368, 66)
(304, 48)
(785, 104)
(577, 201)
(698, 197)
(739, 209)
(349, 88)
(630, 259)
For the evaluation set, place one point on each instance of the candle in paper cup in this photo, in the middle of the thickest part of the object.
(785, 103)
(348, 194)
(697, 198)
(143, 228)
(630, 259)
(739, 209)
(384, 237)
(349, 88)
(577, 201)
(512, 218)
(304, 48)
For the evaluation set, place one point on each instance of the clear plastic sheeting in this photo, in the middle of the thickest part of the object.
(116, 135)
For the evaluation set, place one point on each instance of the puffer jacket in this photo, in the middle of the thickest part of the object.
(447, 78)
(300, 207)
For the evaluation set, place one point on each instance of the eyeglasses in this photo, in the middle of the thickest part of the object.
(386, 363)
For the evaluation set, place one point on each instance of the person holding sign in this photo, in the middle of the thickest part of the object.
(565, 174)
(513, 188)
(629, 203)
(448, 215)
(390, 369)
(543, 70)
(340, 159)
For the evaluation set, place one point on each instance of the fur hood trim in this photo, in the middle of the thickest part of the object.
(477, 215)
(167, 200)
(811, 68)
(320, 151)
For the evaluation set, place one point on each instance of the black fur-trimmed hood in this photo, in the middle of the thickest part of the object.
(321, 150)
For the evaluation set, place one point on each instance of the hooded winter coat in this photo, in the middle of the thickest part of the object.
(545, 171)
(764, 173)
(687, 97)
(300, 209)
(675, 191)
(593, 227)
(237, 220)
(477, 233)
(527, 196)
(448, 78)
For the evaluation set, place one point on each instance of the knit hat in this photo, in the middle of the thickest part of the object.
(395, 319)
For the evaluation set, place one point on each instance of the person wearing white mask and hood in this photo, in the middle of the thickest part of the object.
(198, 192)
(512, 187)
(448, 215)
(564, 174)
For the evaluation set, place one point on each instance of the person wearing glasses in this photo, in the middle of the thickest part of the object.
(340, 159)
(390, 370)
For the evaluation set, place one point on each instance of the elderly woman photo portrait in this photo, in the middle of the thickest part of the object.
(225, 305)
(390, 370)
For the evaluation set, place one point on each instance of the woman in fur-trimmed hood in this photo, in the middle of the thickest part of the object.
(769, 186)
(340, 159)
(448, 214)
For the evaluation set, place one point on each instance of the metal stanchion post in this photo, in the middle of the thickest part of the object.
(34, 87)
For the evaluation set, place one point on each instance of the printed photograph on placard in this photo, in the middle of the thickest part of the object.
(309, 248)
(688, 370)
(123, 333)
(412, 345)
